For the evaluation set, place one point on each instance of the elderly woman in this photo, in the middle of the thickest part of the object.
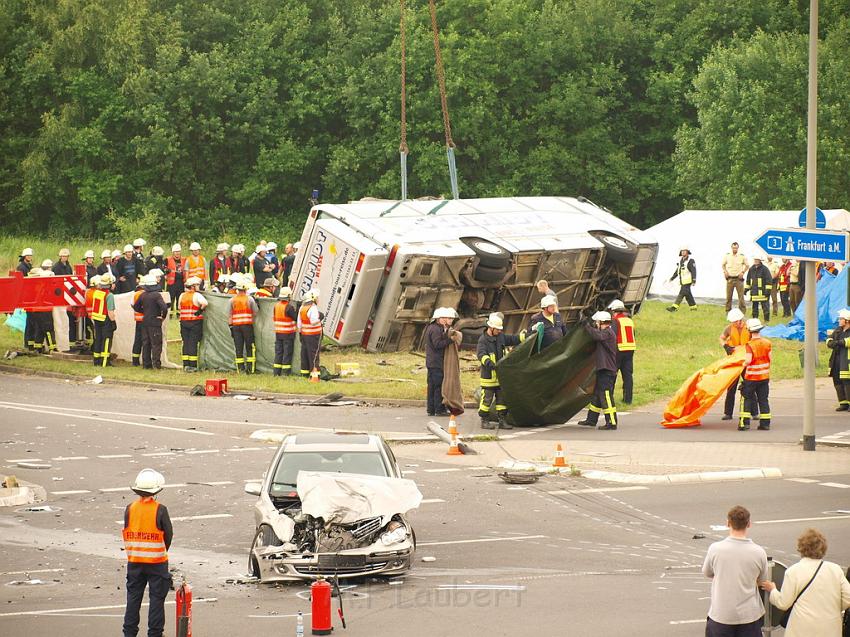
(817, 611)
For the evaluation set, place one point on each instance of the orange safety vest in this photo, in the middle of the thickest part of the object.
(89, 300)
(759, 368)
(737, 336)
(240, 310)
(138, 316)
(99, 312)
(626, 334)
(144, 543)
(308, 328)
(188, 308)
(173, 266)
(263, 292)
(282, 323)
(197, 266)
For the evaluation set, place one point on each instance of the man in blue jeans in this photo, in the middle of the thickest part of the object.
(735, 566)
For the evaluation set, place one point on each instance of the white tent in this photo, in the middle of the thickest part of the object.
(708, 235)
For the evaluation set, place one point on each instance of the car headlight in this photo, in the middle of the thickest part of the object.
(395, 533)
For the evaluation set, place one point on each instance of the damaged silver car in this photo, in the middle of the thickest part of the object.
(332, 505)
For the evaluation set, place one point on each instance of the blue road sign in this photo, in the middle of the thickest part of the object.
(804, 245)
(820, 218)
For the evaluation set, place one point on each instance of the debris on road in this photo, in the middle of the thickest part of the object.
(197, 390)
(97, 380)
(444, 435)
(334, 399)
(521, 477)
(429, 558)
(44, 508)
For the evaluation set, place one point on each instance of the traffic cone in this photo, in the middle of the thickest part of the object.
(453, 448)
(560, 461)
(314, 376)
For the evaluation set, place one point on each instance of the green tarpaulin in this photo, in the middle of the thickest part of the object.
(548, 387)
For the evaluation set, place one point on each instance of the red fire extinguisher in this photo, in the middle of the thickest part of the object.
(184, 610)
(320, 595)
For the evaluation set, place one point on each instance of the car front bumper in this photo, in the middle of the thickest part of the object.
(279, 566)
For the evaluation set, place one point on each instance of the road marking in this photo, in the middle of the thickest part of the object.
(219, 483)
(441, 470)
(836, 485)
(212, 516)
(829, 517)
(431, 501)
(483, 539)
(70, 458)
(115, 455)
(24, 460)
(688, 621)
(278, 616)
(41, 570)
(75, 492)
(197, 451)
(247, 448)
(159, 453)
(114, 489)
(597, 490)
(801, 480)
(82, 609)
(479, 587)
(47, 410)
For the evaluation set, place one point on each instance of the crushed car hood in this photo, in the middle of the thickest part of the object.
(344, 498)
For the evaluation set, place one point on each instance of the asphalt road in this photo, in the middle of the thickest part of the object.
(564, 556)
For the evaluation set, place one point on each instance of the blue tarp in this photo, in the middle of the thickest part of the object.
(831, 296)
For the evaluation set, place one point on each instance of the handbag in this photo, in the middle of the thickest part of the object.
(784, 621)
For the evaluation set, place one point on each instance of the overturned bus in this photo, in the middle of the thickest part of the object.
(382, 267)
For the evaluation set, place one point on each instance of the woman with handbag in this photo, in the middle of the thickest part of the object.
(814, 591)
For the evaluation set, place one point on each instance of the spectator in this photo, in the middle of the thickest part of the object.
(734, 269)
(759, 285)
(288, 260)
(261, 267)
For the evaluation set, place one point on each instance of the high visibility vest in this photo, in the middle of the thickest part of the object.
(263, 293)
(240, 310)
(283, 324)
(737, 336)
(626, 334)
(89, 300)
(784, 277)
(144, 543)
(685, 277)
(197, 266)
(188, 309)
(175, 267)
(309, 328)
(99, 312)
(759, 368)
(137, 316)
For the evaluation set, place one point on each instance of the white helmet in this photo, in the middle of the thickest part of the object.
(106, 280)
(47, 272)
(548, 300)
(616, 304)
(106, 254)
(285, 292)
(157, 251)
(734, 315)
(156, 273)
(684, 249)
(221, 247)
(36, 272)
(311, 296)
(297, 245)
(26, 252)
(443, 312)
(223, 277)
(147, 281)
(64, 252)
(89, 254)
(176, 248)
(149, 482)
(260, 248)
(238, 248)
(47, 263)
(271, 245)
(139, 243)
(94, 281)
(127, 248)
(192, 281)
(844, 314)
(754, 325)
(602, 317)
(242, 284)
(271, 282)
(495, 321)
(115, 254)
(195, 246)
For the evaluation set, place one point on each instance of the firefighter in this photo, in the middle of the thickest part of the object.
(156, 260)
(784, 283)
(839, 362)
(310, 328)
(624, 328)
(756, 385)
(127, 271)
(243, 309)
(220, 285)
(174, 275)
(25, 261)
(437, 337)
(154, 311)
(825, 266)
(221, 262)
(550, 319)
(147, 537)
(192, 305)
(44, 334)
(88, 261)
(686, 272)
(796, 279)
(94, 282)
(138, 316)
(103, 317)
(238, 262)
(139, 256)
(285, 324)
(491, 349)
(158, 276)
(268, 289)
(758, 285)
(63, 267)
(105, 266)
(24, 267)
(196, 264)
(773, 267)
(271, 257)
(605, 357)
(735, 334)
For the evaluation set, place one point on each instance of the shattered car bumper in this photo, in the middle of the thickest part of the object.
(277, 565)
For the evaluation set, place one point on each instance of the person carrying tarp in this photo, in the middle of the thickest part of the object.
(549, 317)
(491, 349)
(734, 335)
(436, 339)
(192, 305)
(839, 365)
(103, 317)
(310, 328)
(243, 309)
(756, 387)
(605, 357)
(285, 325)
(758, 285)
(686, 272)
(624, 328)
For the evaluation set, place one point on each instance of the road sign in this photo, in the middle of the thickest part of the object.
(820, 218)
(804, 245)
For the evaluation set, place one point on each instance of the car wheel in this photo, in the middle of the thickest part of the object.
(489, 254)
(488, 274)
(253, 564)
(265, 536)
(617, 249)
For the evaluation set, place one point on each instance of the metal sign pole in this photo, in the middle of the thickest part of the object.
(811, 333)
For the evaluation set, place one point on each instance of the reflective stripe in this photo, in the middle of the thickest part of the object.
(759, 367)
(309, 328)
(144, 542)
(146, 557)
(283, 324)
(197, 266)
(240, 308)
(173, 266)
(188, 308)
(626, 334)
(99, 311)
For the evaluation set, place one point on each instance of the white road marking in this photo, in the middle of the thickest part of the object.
(836, 485)
(198, 451)
(212, 516)
(24, 460)
(480, 587)
(82, 609)
(59, 458)
(115, 455)
(114, 489)
(248, 449)
(483, 539)
(74, 492)
(597, 490)
(159, 453)
(802, 480)
(441, 470)
(829, 517)
(687, 621)
(42, 570)
(431, 501)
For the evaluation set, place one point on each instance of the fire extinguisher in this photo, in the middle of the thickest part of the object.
(184, 610)
(320, 596)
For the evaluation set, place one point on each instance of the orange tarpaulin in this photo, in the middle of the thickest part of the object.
(696, 396)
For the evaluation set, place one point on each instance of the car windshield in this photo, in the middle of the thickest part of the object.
(286, 474)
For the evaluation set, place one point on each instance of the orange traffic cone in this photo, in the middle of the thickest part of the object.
(560, 461)
(314, 376)
(453, 448)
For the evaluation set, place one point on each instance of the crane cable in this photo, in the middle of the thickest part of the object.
(403, 149)
(444, 104)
